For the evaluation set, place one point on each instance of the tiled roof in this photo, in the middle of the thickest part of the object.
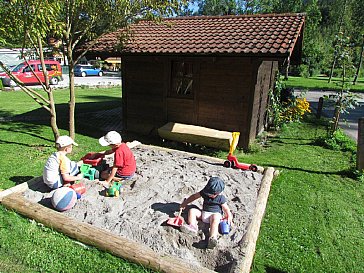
(269, 34)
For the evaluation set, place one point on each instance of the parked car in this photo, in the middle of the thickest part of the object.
(87, 70)
(24, 73)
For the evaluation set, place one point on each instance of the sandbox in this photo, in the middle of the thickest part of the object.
(133, 225)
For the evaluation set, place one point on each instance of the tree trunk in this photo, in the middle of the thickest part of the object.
(53, 115)
(287, 68)
(339, 103)
(72, 101)
(359, 64)
(336, 118)
(52, 106)
(332, 68)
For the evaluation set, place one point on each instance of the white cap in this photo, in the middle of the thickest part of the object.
(110, 138)
(63, 141)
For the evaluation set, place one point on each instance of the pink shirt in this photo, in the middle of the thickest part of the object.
(125, 161)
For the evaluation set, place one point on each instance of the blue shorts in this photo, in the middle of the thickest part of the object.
(59, 182)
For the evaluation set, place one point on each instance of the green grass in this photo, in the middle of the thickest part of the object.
(321, 83)
(315, 215)
(314, 220)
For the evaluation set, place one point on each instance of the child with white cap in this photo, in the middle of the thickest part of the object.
(214, 206)
(59, 170)
(124, 165)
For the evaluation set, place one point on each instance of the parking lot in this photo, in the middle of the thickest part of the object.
(109, 79)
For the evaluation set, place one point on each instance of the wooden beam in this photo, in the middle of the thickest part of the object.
(104, 240)
(250, 239)
(196, 135)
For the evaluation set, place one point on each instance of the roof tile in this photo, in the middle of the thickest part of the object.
(243, 34)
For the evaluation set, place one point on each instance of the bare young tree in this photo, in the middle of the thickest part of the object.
(29, 22)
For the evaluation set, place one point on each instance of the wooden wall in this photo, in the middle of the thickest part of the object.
(224, 94)
(143, 94)
(264, 80)
(230, 94)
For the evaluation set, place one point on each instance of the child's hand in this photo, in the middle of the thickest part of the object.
(183, 204)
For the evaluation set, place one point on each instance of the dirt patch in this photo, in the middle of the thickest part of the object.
(164, 178)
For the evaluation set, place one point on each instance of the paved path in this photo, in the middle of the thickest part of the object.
(348, 122)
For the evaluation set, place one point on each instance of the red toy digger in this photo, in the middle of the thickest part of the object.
(233, 162)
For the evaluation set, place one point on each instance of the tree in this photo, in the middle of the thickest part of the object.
(84, 21)
(74, 23)
(29, 22)
(359, 61)
(358, 22)
(217, 7)
(344, 99)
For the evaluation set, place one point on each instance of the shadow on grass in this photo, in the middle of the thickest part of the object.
(349, 173)
(24, 129)
(88, 120)
(20, 179)
(269, 269)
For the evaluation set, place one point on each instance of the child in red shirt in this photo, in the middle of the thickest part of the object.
(124, 166)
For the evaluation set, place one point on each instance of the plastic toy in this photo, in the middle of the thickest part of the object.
(94, 161)
(224, 227)
(114, 190)
(88, 172)
(79, 188)
(176, 221)
(233, 162)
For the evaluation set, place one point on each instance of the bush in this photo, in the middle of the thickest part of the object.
(338, 141)
(1, 84)
(304, 71)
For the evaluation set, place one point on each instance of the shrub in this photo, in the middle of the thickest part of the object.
(284, 106)
(304, 71)
(338, 141)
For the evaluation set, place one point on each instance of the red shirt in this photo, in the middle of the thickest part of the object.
(125, 161)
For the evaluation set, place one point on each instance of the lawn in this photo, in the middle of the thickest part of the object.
(314, 220)
(321, 83)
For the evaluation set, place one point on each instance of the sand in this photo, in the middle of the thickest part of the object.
(164, 178)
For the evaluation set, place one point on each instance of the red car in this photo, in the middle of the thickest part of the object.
(24, 73)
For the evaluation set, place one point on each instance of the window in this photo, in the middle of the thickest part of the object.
(182, 79)
(49, 67)
(27, 69)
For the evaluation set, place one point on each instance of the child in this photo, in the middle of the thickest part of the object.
(124, 166)
(59, 170)
(214, 205)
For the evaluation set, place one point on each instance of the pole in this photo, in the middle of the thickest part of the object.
(319, 107)
(360, 153)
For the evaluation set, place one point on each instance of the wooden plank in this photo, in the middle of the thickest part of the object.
(196, 134)
(104, 240)
(250, 239)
